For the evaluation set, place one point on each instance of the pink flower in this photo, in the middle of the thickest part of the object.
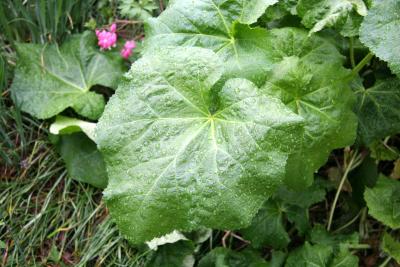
(126, 52)
(113, 27)
(107, 39)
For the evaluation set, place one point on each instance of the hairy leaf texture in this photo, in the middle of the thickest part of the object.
(380, 32)
(176, 160)
(49, 79)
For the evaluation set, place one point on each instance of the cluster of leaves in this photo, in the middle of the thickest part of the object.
(224, 120)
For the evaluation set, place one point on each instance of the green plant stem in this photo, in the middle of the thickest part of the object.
(359, 246)
(353, 162)
(348, 223)
(362, 64)
(352, 60)
(388, 259)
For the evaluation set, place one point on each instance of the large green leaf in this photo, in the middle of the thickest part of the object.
(383, 201)
(320, 14)
(309, 80)
(379, 32)
(49, 79)
(214, 24)
(176, 160)
(378, 110)
(82, 159)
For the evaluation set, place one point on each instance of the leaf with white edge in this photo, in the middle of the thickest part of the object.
(176, 160)
(178, 254)
(173, 237)
(213, 24)
(267, 228)
(383, 201)
(221, 257)
(49, 79)
(391, 247)
(377, 110)
(379, 32)
(83, 161)
(309, 80)
(319, 14)
(67, 125)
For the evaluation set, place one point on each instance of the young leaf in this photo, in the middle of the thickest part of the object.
(379, 32)
(377, 110)
(66, 125)
(267, 228)
(383, 201)
(320, 14)
(49, 79)
(310, 255)
(82, 159)
(176, 160)
(391, 247)
(220, 257)
(214, 24)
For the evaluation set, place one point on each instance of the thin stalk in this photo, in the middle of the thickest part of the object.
(362, 64)
(354, 161)
(352, 60)
(388, 259)
(348, 223)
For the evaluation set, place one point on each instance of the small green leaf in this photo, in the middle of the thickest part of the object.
(379, 32)
(381, 151)
(310, 255)
(82, 159)
(66, 125)
(344, 259)
(49, 79)
(383, 201)
(178, 161)
(320, 236)
(178, 254)
(2, 244)
(320, 14)
(377, 110)
(391, 247)
(223, 257)
(267, 228)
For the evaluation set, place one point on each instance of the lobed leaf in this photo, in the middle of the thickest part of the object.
(49, 79)
(377, 110)
(177, 160)
(383, 201)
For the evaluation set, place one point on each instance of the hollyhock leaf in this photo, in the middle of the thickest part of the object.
(201, 165)
(379, 32)
(49, 79)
